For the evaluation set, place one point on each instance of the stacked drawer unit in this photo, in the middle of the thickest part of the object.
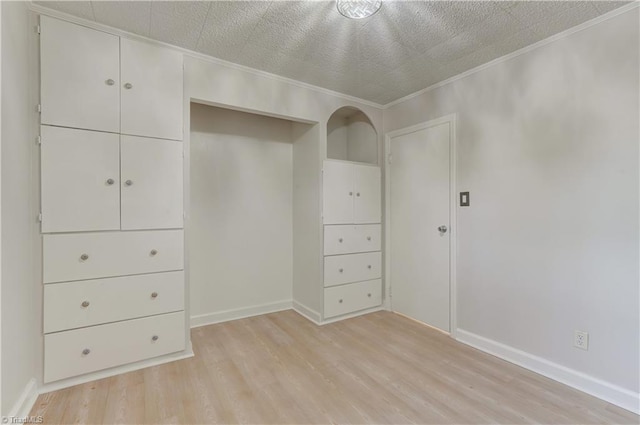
(111, 200)
(352, 244)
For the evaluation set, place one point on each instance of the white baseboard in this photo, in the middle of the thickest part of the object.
(238, 313)
(308, 313)
(77, 380)
(596, 387)
(25, 402)
(351, 315)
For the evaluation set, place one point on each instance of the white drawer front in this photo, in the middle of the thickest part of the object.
(345, 299)
(339, 269)
(347, 239)
(81, 351)
(92, 255)
(93, 302)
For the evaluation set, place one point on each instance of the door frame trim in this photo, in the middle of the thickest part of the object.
(451, 119)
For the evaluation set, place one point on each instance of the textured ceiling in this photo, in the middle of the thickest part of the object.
(405, 47)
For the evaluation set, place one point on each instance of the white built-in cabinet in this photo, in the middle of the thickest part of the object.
(98, 81)
(352, 193)
(351, 215)
(111, 166)
(102, 181)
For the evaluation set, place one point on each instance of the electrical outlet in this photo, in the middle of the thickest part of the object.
(581, 340)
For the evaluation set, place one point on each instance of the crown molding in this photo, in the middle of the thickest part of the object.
(564, 34)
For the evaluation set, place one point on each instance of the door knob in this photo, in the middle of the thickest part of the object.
(110, 181)
(128, 183)
(128, 86)
(110, 82)
(442, 229)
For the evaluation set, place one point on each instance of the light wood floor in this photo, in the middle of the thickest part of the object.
(281, 369)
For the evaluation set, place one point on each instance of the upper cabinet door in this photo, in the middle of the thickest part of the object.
(151, 179)
(80, 76)
(80, 180)
(151, 82)
(367, 207)
(337, 189)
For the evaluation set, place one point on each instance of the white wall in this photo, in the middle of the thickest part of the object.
(19, 301)
(240, 244)
(548, 148)
(362, 146)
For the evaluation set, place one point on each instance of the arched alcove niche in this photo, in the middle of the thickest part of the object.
(351, 136)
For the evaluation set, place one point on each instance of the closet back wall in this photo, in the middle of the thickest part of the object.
(240, 228)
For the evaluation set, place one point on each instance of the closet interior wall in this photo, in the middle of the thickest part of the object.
(241, 225)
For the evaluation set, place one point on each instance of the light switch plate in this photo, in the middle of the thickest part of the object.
(464, 199)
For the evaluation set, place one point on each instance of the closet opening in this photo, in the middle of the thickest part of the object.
(240, 226)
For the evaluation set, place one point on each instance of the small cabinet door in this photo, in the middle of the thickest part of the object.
(152, 80)
(337, 183)
(367, 207)
(151, 179)
(80, 76)
(80, 180)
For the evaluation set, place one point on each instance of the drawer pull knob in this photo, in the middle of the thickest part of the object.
(86, 352)
(368, 238)
(340, 301)
(369, 266)
(110, 82)
(358, 194)
(85, 304)
(340, 240)
(154, 295)
(84, 257)
(128, 183)
(369, 295)
(110, 182)
(340, 270)
(350, 193)
(154, 338)
(128, 86)
(153, 252)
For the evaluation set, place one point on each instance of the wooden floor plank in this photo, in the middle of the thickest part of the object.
(282, 369)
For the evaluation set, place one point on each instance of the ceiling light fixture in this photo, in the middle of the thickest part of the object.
(358, 9)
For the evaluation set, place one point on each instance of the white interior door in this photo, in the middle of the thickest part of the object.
(367, 200)
(80, 172)
(80, 76)
(337, 189)
(151, 181)
(151, 102)
(419, 205)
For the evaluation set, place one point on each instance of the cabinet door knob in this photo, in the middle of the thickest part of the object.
(110, 181)
(153, 252)
(340, 240)
(85, 304)
(128, 183)
(358, 194)
(350, 193)
(86, 352)
(369, 295)
(128, 86)
(154, 295)
(369, 266)
(84, 257)
(368, 238)
(340, 301)
(340, 270)
(154, 338)
(110, 82)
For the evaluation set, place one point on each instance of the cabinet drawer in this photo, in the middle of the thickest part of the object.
(93, 302)
(347, 239)
(69, 257)
(339, 269)
(81, 351)
(345, 299)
